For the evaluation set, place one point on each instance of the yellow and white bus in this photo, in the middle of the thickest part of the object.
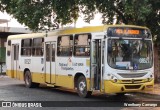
(110, 58)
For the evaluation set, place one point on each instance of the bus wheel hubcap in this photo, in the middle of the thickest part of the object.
(27, 80)
(82, 86)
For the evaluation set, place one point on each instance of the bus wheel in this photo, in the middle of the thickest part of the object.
(82, 87)
(28, 80)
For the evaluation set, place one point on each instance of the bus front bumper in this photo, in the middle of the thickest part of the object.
(111, 87)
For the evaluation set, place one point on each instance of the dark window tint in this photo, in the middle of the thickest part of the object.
(82, 45)
(65, 45)
(37, 49)
(26, 46)
(9, 48)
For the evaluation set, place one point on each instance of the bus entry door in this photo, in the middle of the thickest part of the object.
(50, 62)
(96, 64)
(15, 60)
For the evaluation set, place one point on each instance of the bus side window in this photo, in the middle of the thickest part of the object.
(82, 45)
(65, 45)
(26, 46)
(9, 48)
(47, 52)
(37, 49)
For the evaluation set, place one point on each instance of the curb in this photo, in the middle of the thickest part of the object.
(149, 95)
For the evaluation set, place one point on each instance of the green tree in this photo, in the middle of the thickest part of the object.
(136, 12)
(39, 14)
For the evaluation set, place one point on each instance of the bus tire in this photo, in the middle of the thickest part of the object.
(28, 80)
(82, 87)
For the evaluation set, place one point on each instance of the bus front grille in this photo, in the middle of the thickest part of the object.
(132, 75)
(132, 81)
(132, 86)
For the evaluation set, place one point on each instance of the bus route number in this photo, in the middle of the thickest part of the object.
(77, 64)
(27, 61)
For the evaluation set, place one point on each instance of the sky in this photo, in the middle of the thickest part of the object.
(80, 23)
(95, 22)
(12, 22)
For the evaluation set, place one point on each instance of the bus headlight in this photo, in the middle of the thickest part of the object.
(150, 77)
(112, 78)
(115, 80)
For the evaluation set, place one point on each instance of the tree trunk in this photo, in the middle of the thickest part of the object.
(157, 64)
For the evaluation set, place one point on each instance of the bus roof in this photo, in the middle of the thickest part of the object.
(66, 31)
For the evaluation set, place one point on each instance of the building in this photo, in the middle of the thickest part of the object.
(4, 33)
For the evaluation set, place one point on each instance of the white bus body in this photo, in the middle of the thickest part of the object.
(86, 59)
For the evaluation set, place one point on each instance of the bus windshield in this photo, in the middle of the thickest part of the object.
(130, 54)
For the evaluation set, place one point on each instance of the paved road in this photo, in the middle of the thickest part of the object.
(15, 90)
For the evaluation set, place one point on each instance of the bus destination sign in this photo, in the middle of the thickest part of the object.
(128, 32)
(125, 31)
